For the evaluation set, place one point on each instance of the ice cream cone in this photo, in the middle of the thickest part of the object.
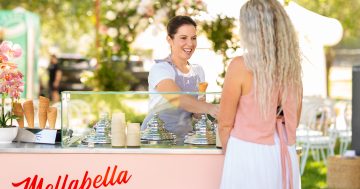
(44, 102)
(43, 108)
(203, 86)
(18, 111)
(29, 112)
(202, 89)
(51, 116)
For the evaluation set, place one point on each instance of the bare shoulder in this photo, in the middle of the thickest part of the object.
(237, 65)
(239, 60)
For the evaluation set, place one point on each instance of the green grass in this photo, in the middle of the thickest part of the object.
(314, 175)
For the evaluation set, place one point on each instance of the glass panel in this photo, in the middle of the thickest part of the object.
(82, 111)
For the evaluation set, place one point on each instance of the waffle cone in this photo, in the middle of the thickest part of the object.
(51, 116)
(43, 108)
(42, 118)
(18, 111)
(203, 86)
(43, 102)
(29, 112)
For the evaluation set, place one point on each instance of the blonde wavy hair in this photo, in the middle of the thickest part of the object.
(272, 51)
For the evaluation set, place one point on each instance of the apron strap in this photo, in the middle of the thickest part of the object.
(285, 155)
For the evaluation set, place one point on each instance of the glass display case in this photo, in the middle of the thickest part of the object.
(103, 119)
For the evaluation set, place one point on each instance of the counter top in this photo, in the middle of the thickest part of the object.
(16, 147)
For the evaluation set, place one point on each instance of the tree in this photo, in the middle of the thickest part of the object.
(220, 32)
(346, 11)
(121, 22)
(65, 24)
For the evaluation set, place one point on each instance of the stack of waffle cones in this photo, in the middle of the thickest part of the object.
(43, 109)
(18, 111)
(45, 113)
(29, 112)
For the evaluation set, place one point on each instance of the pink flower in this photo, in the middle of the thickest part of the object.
(5, 46)
(15, 90)
(187, 3)
(10, 50)
(116, 48)
(16, 50)
(10, 77)
(103, 29)
(149, 11)
(3, 58)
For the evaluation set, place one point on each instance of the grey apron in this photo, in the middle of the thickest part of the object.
(177, 120)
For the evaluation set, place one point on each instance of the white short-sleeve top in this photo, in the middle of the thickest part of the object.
(165, 70)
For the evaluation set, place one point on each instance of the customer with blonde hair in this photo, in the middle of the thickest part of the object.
(261, 102)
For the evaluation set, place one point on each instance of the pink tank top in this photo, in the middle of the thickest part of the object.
(251, 127)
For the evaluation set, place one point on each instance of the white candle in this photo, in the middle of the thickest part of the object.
(133, 135)
(118, 136)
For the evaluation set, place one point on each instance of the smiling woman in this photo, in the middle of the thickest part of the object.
(176, 74)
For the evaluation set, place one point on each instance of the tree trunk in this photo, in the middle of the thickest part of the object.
(330, 56)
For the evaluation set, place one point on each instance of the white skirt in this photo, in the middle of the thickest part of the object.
(249, 165)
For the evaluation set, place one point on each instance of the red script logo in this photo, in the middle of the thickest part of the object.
(98, 181)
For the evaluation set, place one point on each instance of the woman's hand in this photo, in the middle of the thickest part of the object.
(213, 110)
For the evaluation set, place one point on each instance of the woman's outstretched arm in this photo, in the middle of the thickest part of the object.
(187, 102)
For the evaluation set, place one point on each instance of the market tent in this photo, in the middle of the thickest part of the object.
(315, 31)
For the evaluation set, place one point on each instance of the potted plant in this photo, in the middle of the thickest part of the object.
(11, 86)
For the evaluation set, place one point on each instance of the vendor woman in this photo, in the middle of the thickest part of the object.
(175, 74)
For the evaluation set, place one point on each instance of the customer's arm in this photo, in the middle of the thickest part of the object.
(229, 100)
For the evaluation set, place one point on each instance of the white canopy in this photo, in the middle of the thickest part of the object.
(315, 31)
(325, 30)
